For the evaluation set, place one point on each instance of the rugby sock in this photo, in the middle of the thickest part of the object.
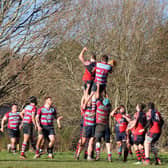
(138, 154)
(37, 151)
(158, 161)
(33, 145)
(92, 154)
(85, 154)
(97, 148)
(109, 155)
(50, 150)
(120, 150)
(13, 149)
(77, 147)
(23, 148)
(142, 154)
(130, 152)
(125, 154)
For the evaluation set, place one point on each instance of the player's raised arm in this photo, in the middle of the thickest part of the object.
(114, 111)
(81, 56)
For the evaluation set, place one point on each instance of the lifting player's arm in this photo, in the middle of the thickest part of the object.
(3, 122)
(127, 118)
(81, 57)
(114, 111)
(22, 114)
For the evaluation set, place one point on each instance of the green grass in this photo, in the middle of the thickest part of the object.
(65, 160)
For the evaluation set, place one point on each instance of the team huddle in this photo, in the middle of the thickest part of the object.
(141, 130)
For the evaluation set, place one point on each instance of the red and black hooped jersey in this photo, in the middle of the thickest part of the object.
(155, 118)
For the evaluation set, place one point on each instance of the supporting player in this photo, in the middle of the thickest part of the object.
(28, 116)
(103, 108)
(88, 131)
(120, 128)
(154, 125)
(14, 120)
(44, 120)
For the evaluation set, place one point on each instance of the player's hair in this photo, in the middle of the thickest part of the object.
(33, 99)
(47, 97)
(141, 106)
(93, 56)
(13, 104)
(104, 58)
(122, 106)
(151, 105)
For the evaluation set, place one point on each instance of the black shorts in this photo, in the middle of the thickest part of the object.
(48, 130)
(152, 137)
(88, 82)
(102, 131)
(13, 133)
(131, 139)
(28, 129)
(88, 131)
(139, 139)
(102, 87)
(121, 136)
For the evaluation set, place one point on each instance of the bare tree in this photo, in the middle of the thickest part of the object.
(23, 35)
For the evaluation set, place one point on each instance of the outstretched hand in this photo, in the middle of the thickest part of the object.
(84, 49)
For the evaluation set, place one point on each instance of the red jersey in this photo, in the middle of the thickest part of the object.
(121, 123)
(89, 74)
(141, 122)
(156, 120)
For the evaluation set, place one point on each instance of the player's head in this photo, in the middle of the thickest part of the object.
(104, 58)
(33, 99)
(48, 100)
(140, 107)
(122, 109)
(89, 103)
(93, 57)
(151, 106)
(14, 107)
(106, 101)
